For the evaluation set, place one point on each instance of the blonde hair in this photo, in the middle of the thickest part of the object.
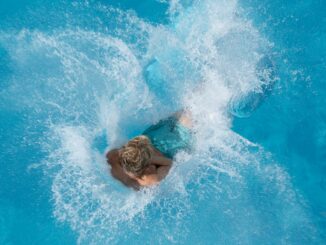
(136, 155)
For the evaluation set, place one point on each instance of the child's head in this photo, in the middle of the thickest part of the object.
(135, 156)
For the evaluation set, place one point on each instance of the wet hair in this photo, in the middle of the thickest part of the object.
(136, 155)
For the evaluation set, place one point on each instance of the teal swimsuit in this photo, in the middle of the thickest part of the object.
(169, 136)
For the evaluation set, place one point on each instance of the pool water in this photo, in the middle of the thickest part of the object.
(80, 77)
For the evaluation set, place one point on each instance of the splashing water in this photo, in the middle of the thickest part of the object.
(102, 78)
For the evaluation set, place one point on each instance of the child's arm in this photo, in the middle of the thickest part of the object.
(161, 161)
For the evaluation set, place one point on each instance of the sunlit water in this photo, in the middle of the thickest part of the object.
(78, 78)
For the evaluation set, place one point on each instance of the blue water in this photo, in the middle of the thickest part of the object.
(77, 78)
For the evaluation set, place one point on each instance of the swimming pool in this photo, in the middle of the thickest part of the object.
(77, 78)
